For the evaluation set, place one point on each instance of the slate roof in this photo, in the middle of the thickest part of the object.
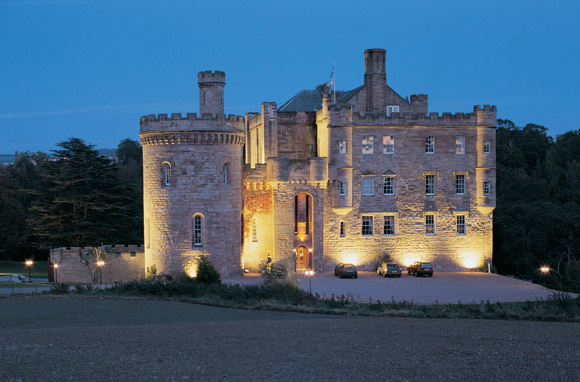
(311, 100)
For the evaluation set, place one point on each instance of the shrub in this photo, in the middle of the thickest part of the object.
(206, 272)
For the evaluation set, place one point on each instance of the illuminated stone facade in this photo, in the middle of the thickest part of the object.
(329, 177)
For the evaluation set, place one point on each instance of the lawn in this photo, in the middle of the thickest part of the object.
(39, 269)
(11, 284)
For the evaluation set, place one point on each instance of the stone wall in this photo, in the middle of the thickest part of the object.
(122, 263)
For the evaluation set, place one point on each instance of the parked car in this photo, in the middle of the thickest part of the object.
(346, 270)
(419, 268)
(389, 270)
(278, 270)
(337, 268)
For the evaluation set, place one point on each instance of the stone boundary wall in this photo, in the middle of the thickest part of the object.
(76, 264)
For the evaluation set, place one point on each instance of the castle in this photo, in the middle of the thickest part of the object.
(327, 177)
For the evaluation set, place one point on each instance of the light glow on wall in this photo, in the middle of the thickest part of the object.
(471, 260)
(191, 270)
(350, 258)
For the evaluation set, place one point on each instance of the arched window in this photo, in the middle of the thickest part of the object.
(166, 173)
(197, 231)
(226, 174)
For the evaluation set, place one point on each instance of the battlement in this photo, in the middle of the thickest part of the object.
(209, 76)
(344, 115)
(191, 122)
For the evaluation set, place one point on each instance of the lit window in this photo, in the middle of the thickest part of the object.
(197, 231)
(430, 144)
(367, 226)
(226, 171)
(389, 226)
(342, 147)
(133, 254)
(166, 173)
(341, 229)
(389, 186)
(368, 186)
(486, 147)
(392, 109)
(460, 184)
(430, 224)
(461, 224)
(118, 254)
(429, 184)
(367, 144)
(486, 188)
(342, 188)
(254, 229)
(460, 145)
(388, 144)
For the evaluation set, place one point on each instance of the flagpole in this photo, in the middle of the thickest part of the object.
(334, 82)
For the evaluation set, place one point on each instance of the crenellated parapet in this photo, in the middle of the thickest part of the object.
(191, 121)
(192, 138)
(344, 115)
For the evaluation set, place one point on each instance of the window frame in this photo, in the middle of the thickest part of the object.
(341, 230)
(459, 185)
(254, 230)
(387, 145)
(390, 109)
(370, 182)
(460, 225)
(486, 184)
(430, 223)
(368, 223)
(487, 147)
(428, 186)
(386, 185)
(430, 144)
(342, 188)
(368, 147)
(391, 220)
(342, 147)
(197, 231)
(166, 174)
(460, 144)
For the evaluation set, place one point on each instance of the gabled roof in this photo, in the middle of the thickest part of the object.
(311, 99)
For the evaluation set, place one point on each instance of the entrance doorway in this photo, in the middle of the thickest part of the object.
(303, 258)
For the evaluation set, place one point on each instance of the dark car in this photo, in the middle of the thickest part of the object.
(389, 270)
(419, 268)
(337, 268)
(346, 270)
(278, 270)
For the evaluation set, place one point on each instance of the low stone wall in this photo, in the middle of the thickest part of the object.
(122, 263)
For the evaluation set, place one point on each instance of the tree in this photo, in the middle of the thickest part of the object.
(81, 202)
(130, 176)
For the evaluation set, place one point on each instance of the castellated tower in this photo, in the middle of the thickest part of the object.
(192, 185)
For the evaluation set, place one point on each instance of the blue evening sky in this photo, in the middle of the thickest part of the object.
(91, 68)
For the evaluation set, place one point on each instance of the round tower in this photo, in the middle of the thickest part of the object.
(192, 186)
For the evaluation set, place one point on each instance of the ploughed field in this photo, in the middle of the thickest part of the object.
(132, 339)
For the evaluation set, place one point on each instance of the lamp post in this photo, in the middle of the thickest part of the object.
(29, 264)
(100, 265)
(55, 265)
(309, 273)
(544, 270)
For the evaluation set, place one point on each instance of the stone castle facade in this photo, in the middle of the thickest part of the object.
(328, 177)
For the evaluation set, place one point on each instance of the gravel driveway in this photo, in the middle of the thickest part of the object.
(54, 338)
(443, 287)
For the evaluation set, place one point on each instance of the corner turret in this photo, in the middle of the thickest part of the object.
(211, 92)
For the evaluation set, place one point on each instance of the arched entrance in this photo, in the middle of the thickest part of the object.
(303, 260)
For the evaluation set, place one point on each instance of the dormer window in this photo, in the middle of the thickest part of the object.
(392, 109)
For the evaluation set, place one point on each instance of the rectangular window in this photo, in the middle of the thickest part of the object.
(367, 226)
(486, 147)
(342, 147)
(388, 144)
(430, 144)
(486, 188)
(367, 144)
(118, 254)
(460, 184)
(429, 184)
(341, 229)
(389, 227)
(389, 186)
(197, 231)
(368, 186)
(460, 145)
(342, 188)
(461, 224)
(133, 254)
(392, 109)
(430, 224)
(254, 229)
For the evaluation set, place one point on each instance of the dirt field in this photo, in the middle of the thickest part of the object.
(47, 338)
